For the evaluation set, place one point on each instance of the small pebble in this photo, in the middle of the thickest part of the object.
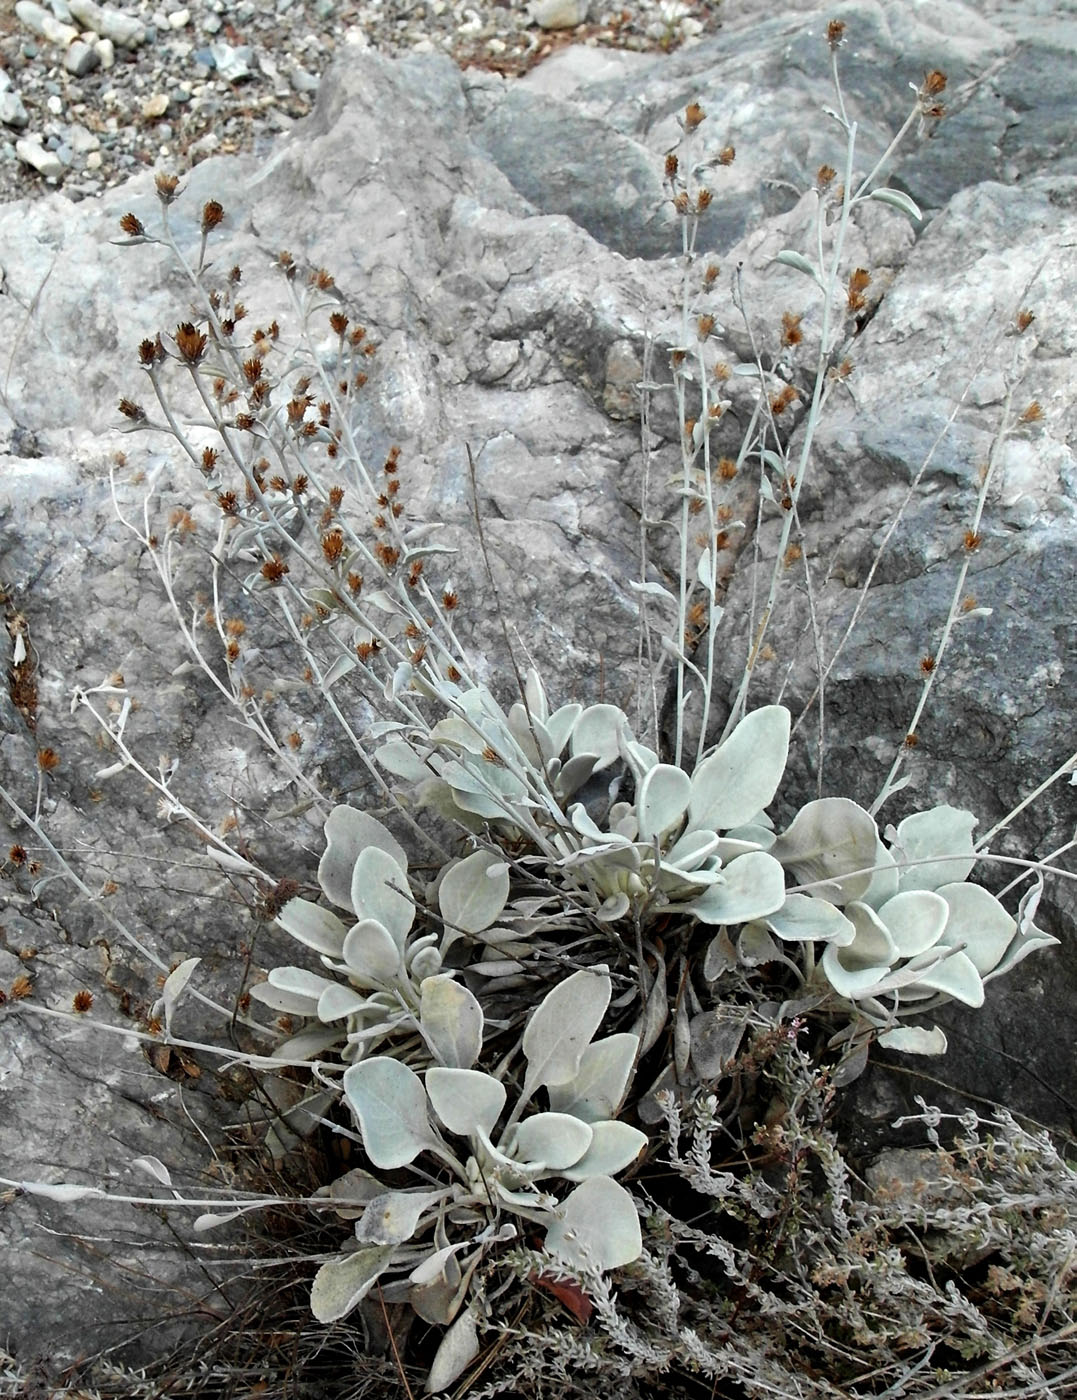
(155, 106)
(178, 19)
(81, 58)
(30, 151)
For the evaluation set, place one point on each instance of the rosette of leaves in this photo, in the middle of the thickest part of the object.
(486, 1173)
(381, 961)
(903, 929)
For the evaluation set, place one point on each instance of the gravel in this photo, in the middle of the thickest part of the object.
(91, 93)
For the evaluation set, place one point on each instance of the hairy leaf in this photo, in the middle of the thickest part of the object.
(562, 1027)
(343, 1283)
(473, 893)
(452, 1021)
(348, 832)
(742, 775)
(389, 1103)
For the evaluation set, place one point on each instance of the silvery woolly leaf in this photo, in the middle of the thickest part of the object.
(752, 887)
(551, 1140)
(372, 955)
(662, 800)
(339, 1001)
(379, 890)
(803, 918)
(914, 920)
(393, 1217)
(598, 730)
(389, 1103)
(290, 1003)
(573, 775)
(597, 1090)
(652, 1019)
(789, 257)
(402, 759)
(559, 726)
(716, 1035)
(473, 892)
(459, 1348)
(720, 956)
(61, 1191)
(466, 1100)
(742, 775)
(343, 1283)
(1028, 937)
(348, 832)
(597, 1227)
(898, 199)
(342, 666)
(914, 1040)
(313, 926)
(614, 1146)
(653, 590)
(955, 976)
(825, 843)
(452, 1021)
(300, 984)
(561, 1028)
(928, 837)
(884, 879)
(155, 1167)
(174, 985)
(855, 969)
(535, 695)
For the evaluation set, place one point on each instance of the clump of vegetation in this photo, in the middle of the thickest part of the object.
(587, 1057)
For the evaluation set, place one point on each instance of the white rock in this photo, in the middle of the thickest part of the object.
(179, 18)
(155, 106)
(55, 105)
(94, 160)
(30, 151)
(81, 59)
(106, 52)
(81, 139)
(110, 23)
(45, 25)
(12, 111)
(558, 14)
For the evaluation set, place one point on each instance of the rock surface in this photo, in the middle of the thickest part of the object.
(513, 309)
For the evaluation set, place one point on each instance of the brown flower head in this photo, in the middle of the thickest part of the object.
(339, 322)
(672, 164)
(132, 225)
(151, 352)
(791, 332)
(694, 116)
(727, 155)
(167, 187)
(190, 342)
(47, 760)
(82, 1001)
(333, 546)
(132, 410)
(835, 32)
(824, 175)
(858, 282)
(273, 570)
(212, 215)
(1024, 320)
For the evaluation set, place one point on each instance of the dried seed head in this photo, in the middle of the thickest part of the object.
(721, 371)
(295, 740)
(286, 263)
(927, 665)
(1033, 413)
(82, 1001)
(695, 505)
(934, 83)
(727, 155)
(47, 760)
(21, 988)
(212, 215)
(859, 279)
(151, 352)
(791, 555)
(968, 602)
(973, 540)
(167, 187)
(727, 468)
(783, 399)
(132, 410)
(704, 326)
(449, 600)
(1024, 320)
(273, 570)
(228, 502)
(387, 554)
(355, 582)
(321, 279)
(339, 322)
(835, 32)
(823, 176)
(672, 164)
(333, 546)
(911, 740)
(336, 495)
(711, 274)
(682, 203)
(791, 332)
(209, 459)
(453, 674)
(132, 225)
(252, 370)
(703, 200)
(190, 342)
(694, 116)
(17, 855)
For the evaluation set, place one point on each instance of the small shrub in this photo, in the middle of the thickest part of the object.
(587, 1061)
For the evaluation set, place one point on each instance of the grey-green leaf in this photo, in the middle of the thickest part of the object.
(825, 843)
(598, 1088)
(393, 1217)
(753, 887)
(742, 775)
(459, 1348)
(343, 1283)
(379, 890)
(314, 926)
(452, 1021)
(662, 800)
(562, 1027)
(930, 837)
(598, 1227)
(789, 257)
(348, 832)
(389, 1103)
(465, 1099)
(898, 199)
(474, 892)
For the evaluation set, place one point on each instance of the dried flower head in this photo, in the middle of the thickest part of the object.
(694, 116)
(212, 215)
(704, 326)
(132, 410)
(782, 400)
(710, 276)
(339, 322)
(727, 468)
(167, 187)
(17, 855)
(132, 225)
(927, 665)
(934, 83)
(791, 332)
(859, 279)
(1024, 320)
(823, 176)
(703, 200)
(151, 352)
(727, 155)
(190, 342)
(672, 164)
(835, 32)
(1033, 413)
(273, 570)
(47, 760)
(321, 279)
(973, 540)
(82, 1001)
(21, 988)
(911, 740)
(333, 546)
